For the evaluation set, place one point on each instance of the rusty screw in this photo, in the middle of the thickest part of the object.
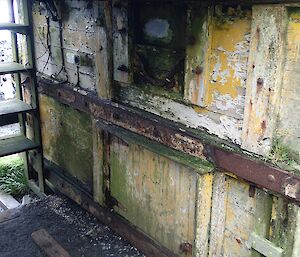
(186, 248)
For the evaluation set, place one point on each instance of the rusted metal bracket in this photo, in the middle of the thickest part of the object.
(179, 138)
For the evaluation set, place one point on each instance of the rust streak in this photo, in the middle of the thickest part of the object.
(171, 135)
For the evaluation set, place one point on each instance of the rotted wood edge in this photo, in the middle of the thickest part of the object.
(65, 185)
(199, 165)
(225, 157)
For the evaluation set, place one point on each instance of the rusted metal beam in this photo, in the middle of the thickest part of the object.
(258, 173)
(179, 138)
(66, 186)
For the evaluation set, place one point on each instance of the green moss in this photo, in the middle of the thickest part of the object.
(293, 11)
(12, 177)
(71, 147)
(226, 15)
(282, 156)
(199, 165)
(159, 63)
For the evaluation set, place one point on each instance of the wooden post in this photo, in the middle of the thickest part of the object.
(265, 69)
(203, 214)
(104, 48)
(104, 85)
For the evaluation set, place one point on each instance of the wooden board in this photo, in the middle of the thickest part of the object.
(9, 214)
(14, 27)
(12, 67)
(13, 106)
(16, 145)
(48, 244)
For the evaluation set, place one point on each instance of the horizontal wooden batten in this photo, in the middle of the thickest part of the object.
(201, 166)
(13, 67)
(66, 186)
(225, 157)
(19, 28)
(16, 144)
(14, 106)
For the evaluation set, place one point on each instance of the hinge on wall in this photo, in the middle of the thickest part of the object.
(264, 246)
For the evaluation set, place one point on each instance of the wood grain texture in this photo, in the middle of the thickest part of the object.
(121, 41)
(154, 193)
(48, 244)
(218, 216)
(97, 164)
(203, 214)
(103, 50)
(265, 68)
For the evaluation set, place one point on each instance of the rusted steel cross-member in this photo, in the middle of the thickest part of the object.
(179, 138)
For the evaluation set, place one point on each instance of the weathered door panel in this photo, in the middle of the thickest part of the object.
(155, 194)
(67, 139)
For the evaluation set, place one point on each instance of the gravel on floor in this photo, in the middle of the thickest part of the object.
(74, 228)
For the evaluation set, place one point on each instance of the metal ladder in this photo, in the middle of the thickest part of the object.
(25, 105)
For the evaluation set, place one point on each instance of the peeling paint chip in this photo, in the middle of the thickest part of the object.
(291, 190)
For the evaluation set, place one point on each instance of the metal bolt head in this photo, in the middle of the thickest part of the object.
(271, 178)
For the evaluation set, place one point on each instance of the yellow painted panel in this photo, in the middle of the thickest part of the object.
(154, 193)
(229, 55)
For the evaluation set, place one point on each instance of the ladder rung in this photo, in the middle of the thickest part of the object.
(14, 106)
(14, 27)
(16, 144)
(12, 67)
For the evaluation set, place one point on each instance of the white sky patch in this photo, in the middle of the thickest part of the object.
(4, 35)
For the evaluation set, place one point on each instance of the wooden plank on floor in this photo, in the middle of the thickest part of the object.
(48, 244)
(7, 201)
(16, 144)
(3, 206)
(8, 215)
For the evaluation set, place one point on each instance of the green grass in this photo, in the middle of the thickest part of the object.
(280, 152)
(12, 178)
(281, 156)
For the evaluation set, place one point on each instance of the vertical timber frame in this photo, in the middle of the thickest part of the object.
(35, 158)
(204, 193)
(265, 71)
(104, 49)
(28, 119)
(104, 84)
(197, 53)
(122, 70)
(274, 215)
(101, 148)
(17, 78)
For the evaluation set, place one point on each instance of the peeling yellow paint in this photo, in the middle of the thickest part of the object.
(203, 214)
(155, 194)
(229, 55)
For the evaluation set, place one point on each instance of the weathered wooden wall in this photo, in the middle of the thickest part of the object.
(240, 83)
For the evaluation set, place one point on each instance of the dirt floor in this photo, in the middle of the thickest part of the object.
(78, 232)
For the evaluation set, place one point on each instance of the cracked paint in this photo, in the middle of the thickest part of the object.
(229, 62)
